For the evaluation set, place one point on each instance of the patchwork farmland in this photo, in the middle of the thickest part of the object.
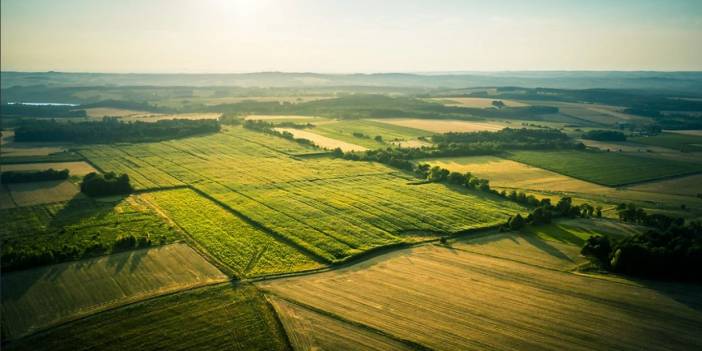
(216, 232)
(329, 208)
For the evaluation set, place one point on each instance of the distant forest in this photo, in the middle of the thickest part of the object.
(112, 130)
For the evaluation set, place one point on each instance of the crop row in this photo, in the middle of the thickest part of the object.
(244, 249)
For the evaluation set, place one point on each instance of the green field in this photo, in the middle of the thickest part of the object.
(576, 232)
(674, 141)
(79, 228)
(38, 298)
(328, 208)
(606, 168)
(343, 130)
(224, 317)
(240, 247)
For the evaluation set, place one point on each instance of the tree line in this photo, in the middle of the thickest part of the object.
(670, 249)
(33, 176)
(32, 255)
(468, 144)
(111, 129)
(604, 135)
(269, 128)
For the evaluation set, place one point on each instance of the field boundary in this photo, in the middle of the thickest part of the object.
(619, 185)
(111, 305)
(409, 343)
(260, 226)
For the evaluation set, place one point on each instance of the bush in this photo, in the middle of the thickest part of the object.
(105, 185)
(599, 247)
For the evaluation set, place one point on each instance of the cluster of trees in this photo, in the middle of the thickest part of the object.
(17, 258)
(269, 128)
(543, 211)
(230, 119)
(481, 143)
(604, 135)
(361, 135)
(671, 249)
(631, 213)
(33, 176)
(294, 125)
(113, 130)
(105, 185)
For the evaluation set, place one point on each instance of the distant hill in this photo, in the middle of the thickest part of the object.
(675, 81)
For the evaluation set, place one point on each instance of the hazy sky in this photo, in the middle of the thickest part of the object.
(349, 36)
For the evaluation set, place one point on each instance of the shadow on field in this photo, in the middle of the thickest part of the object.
(129, 260)
(81, 207)
(686, 293)
(16, 284)
(546, 247)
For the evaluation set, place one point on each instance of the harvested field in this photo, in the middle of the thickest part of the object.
(606, 168)
(457, 300)
(223, 317)
(37, 298)
(525, 248)
(511, 174)
(287, 99)
(242, 248)
(158, 117)
(476, 102)
(697, 132)
(37, 193)
(99, 112)
(322, 141)
(444, 125)
(27, 149)
(75, 168)
(309, 330)
(63, 156)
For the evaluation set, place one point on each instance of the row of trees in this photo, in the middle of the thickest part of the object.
(107, 184)
(381, 106)
(111, 129)
(671, 249)
(469, 144)
(33, 176)
(269, 128)
(604, 135)
(24, 257)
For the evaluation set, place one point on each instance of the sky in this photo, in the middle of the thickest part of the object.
(232, 36)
